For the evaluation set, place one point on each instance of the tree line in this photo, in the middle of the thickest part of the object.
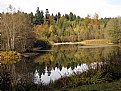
(71, 28)
(19, 30)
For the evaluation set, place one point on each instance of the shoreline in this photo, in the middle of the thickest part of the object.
(68, 43)
(86, 42)
(80, 43)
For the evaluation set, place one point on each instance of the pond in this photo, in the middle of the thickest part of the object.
(61, 61)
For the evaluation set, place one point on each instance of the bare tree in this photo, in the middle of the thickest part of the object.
(16, 31)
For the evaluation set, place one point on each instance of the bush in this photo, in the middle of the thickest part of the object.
(9, 57)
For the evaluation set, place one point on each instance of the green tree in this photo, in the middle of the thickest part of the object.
(41, 17)
(71, 16)
(59, 15)
(67, 16)
(55, 17)
(114, 30)
(37, 16)
(47, 15)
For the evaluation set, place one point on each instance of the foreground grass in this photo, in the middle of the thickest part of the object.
(113, 86)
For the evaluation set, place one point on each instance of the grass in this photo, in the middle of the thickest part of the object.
(96, 41)
(113, 86)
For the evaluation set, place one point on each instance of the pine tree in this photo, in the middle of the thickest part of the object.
(41, 17)
(55, 17)
(71, 16)
(67, 16)
(47, 15)
(38, 17)
(59, 15)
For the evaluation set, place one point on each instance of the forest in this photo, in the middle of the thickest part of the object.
(27, 51)
(22, 31)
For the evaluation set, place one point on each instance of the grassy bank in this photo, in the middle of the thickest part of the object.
(96, 41)
(113, 86)
(86, 42)
(106, 86)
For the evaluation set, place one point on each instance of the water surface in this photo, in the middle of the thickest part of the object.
(61, 61)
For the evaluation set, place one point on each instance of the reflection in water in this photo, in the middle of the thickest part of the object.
(36, 77)
(62, 61)
(21, 72)
(56, 73)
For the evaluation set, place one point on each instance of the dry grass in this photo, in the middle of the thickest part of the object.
(96, 42)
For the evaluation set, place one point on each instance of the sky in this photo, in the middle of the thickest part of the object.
(104, 8)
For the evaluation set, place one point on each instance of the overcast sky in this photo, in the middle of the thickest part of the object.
(104, 8)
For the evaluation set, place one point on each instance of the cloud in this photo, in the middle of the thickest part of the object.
(114, 2)
(105, 8)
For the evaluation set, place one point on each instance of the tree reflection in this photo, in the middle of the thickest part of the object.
(5, 79)
(71, 56)
(107, 59)
(19, 73)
